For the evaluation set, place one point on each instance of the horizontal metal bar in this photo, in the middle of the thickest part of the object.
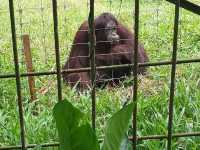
(29, 74)
(149, 64)
(56, 144)
(188, 6)
(161, 137)
(141, 138)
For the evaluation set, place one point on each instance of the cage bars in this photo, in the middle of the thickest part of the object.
(187, 5)
(56, 39)
(92, 60)
(149, 64)
(93, 68)
(17, 74)
(140, 138)
(135, 72)
(173, 75)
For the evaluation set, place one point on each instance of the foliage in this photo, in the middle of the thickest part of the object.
(73, 134)
(116, 129)
(76, 134)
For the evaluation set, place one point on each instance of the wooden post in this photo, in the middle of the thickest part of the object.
(29, 66)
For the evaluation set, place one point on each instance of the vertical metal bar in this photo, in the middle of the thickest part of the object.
(17, 73)
(173, 72)
(92, 44)
(135, 70)
(56, 38)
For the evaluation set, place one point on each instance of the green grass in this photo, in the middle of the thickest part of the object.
(156, 33)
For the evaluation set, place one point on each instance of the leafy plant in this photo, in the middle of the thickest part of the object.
(75, 133)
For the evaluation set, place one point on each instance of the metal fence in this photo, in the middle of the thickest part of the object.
(178, 3)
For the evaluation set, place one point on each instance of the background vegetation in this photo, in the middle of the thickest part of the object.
(34, 17)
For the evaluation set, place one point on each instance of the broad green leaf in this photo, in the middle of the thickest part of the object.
(85, 138)
(116, 128)
(74, 132)
(126, 144)
(67, 118)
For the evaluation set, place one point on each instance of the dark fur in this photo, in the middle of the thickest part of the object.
(120, 53)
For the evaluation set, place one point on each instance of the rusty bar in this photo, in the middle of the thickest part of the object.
(173, 75)
(30, 146)
(188, 6)
(29, 66)
(56, 38)
(29, 74)
(17, 74)
(135, 70)
(141, 138)
(149, 64)
(161, 137)
(92, 60)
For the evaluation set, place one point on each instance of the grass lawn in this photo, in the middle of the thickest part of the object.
(34, 17)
